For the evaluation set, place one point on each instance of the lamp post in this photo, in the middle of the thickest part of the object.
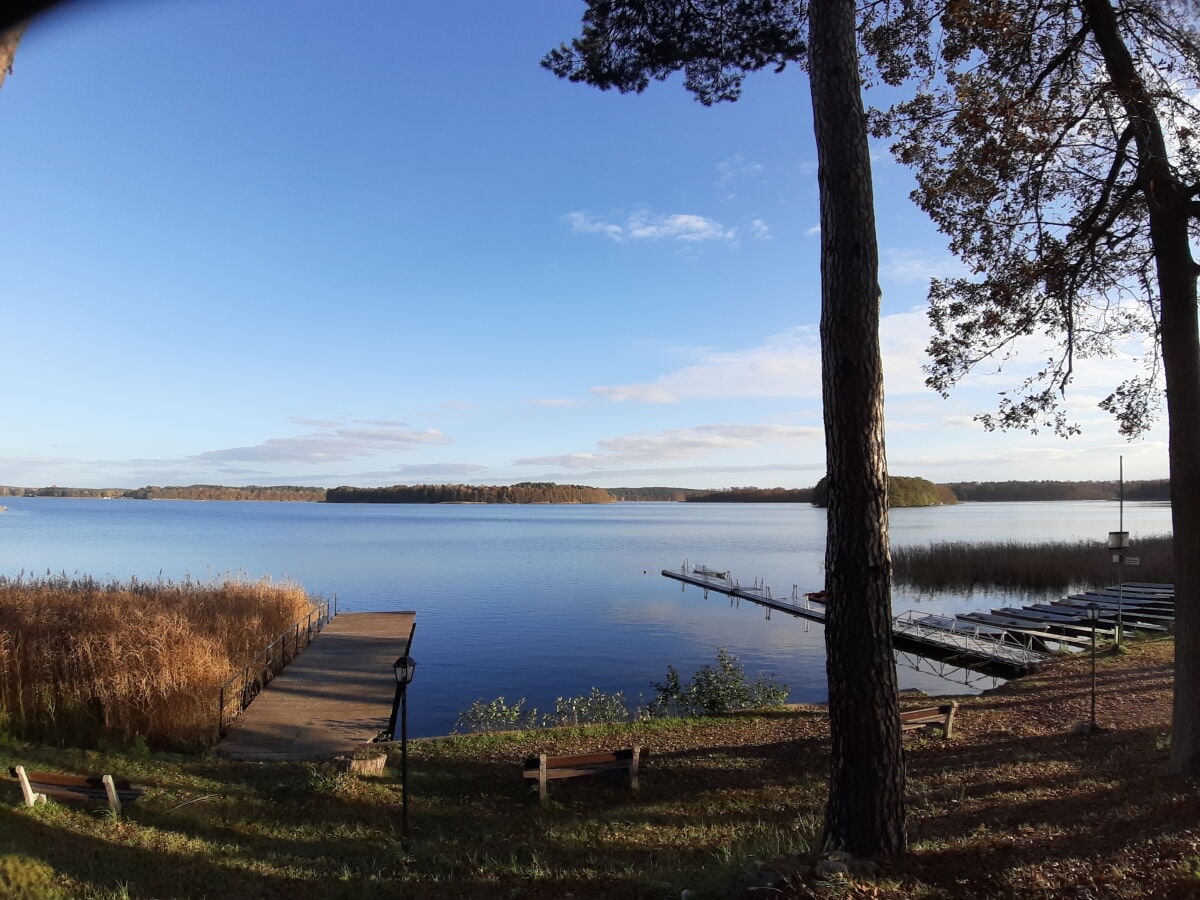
(1093, 614)
(404, 668)
(1118, 541)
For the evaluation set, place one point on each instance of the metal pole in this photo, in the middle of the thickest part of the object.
(1093, 729)
(391, 729)
(404, 764)
(1121, 557)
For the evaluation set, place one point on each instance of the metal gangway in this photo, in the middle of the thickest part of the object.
(952, 635)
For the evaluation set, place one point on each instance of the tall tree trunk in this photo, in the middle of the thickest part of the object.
(1169, 206)
(865, 813)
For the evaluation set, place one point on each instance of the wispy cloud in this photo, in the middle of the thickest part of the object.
(908, 266)
(759, 230)
(429, 470)
(676, 444)
(554, 401)
(329, 445)
(646, 226)
(784, 365)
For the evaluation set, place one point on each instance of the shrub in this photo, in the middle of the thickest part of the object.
(716, 689)
(495, 715)
(596, 708)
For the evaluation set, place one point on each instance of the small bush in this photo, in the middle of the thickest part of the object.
(716, 689)
(495, 715)
(596, 708)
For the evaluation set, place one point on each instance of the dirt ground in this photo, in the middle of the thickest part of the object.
(1025, 802)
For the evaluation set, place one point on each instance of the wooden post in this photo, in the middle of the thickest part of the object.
(26, 790)
(114, 802)
(633, 768)
(543, 790)
(949, 730)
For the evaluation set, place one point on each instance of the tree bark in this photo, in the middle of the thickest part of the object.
(865, 812)
(1169, 206)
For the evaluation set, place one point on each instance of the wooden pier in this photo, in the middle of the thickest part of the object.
(1005, 643)
(334, 698)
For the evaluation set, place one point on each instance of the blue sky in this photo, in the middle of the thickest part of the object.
(244, 243)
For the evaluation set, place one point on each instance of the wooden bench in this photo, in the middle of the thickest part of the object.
(933, 715)
(546, 768)
(37, 786)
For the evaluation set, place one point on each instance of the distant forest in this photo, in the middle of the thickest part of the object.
(904, 491)
(525, 492)
(754, 495)
(1060, 490)
(190, 492)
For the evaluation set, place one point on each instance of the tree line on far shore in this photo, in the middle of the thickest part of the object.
(188, 492)
(903, 491)
(525, 492)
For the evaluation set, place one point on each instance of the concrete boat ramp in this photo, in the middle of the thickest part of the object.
(332, 699)
(1005, 642)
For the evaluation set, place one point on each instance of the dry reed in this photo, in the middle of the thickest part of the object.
(83, 661)
(1045, 564)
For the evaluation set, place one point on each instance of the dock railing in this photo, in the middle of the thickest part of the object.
(238, 692)
(997, 644)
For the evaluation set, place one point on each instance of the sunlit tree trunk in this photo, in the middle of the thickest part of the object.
(1169, 206)
(865, 812)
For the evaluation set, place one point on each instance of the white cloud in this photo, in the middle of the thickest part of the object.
(732, 171)
(331, 445)
(675, 444)
(784, 365)
(759, 230)
(908, 266)
(812, 232)
(554, 402)
(646, 226)
(427, 471)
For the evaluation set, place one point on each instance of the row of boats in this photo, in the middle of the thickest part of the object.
(1133, 606)
(1005, 641)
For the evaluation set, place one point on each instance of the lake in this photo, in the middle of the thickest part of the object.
(537, 601)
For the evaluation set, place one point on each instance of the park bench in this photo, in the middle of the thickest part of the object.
(37, 786)
(546, 768)
(942, 716)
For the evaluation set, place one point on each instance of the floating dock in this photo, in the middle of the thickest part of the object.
(332, 699)
(1005, 643)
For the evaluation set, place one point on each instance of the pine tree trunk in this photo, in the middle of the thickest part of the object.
(865, 813)
(1168, 206)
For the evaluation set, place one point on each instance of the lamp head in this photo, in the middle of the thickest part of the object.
(404, 668)
(1093, 611)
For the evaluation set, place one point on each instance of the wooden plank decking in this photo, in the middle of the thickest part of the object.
(335, 697)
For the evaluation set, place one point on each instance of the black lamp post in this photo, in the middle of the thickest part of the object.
(1093, 614)
(404, 668)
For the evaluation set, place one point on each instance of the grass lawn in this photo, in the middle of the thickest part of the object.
(1019, 803)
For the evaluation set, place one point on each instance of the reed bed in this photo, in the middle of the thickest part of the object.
(1044, 564)
(84, 662)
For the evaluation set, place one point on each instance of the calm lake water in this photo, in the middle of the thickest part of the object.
(535, 601)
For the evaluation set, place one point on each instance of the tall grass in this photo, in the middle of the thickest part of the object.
(83, 661)
(1040, 565)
